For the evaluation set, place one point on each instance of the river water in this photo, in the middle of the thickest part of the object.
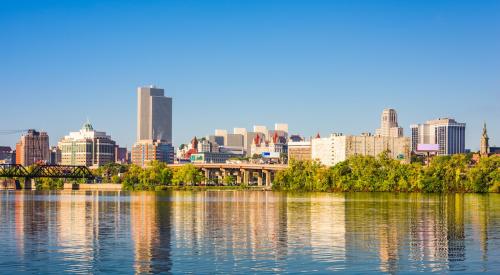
(247, 232)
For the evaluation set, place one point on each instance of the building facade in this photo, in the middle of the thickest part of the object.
(55, 155)
(87, 147)
(5, 154)
(389, 124)
(299, 150)
(446, 132)
(337, 147)
(32, 148)
(154, 127)
(213, 157)
(154, 115)
(144, 152)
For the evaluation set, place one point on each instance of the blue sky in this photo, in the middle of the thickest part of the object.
(327, 66)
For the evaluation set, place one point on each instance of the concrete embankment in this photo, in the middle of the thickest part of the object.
(96, 186)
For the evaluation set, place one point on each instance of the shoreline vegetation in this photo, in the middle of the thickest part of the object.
(444, 174)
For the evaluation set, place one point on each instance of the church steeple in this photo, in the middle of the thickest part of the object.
(485, 147)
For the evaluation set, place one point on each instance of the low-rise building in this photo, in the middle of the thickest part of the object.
(337, 147)
(277, 144)
(143, 152)
(213, 157)
(299, 150)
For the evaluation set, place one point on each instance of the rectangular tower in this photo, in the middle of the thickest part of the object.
(154, 115)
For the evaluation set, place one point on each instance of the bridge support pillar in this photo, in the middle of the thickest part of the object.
(246, 176)
(238, 177)
(268, 177)
(259, 178)
(220, 176)
(29, 184)
(207, 175)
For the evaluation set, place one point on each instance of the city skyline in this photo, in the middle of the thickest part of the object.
(333, 70)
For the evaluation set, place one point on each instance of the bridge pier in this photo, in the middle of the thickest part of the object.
(246, 176)
(259, 178)
(29, 184)
(207, 176)
(268, 177)
(238, 177)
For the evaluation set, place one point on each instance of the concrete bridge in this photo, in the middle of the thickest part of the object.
(244, 173)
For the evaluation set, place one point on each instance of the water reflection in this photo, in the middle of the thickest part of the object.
(238, 231)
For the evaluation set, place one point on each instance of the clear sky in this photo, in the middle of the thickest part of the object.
(327, 66)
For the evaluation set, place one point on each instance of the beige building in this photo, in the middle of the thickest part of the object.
(87, 147)
(369, 145)
(337, 147)
(154, 115)
(389, 124)
(299, 150)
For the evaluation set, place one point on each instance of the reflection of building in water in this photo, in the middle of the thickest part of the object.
(327, 227)
(437, 231)
(78, 218)
(234, 225)
(150, 226)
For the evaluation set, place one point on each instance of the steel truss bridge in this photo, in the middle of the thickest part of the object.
(45, 171)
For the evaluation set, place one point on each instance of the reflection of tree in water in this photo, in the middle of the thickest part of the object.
(432, 226)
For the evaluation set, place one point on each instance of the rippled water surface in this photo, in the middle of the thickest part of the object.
(247, 232)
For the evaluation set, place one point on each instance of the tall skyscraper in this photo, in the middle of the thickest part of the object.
(154, 127)
(389, 124)
(485, 146)
(154, 115)
(449, 134)
(33, 147)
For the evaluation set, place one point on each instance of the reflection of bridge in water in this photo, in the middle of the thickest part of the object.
(44, 171)
(243, 173)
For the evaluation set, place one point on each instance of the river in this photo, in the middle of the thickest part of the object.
(247, 232)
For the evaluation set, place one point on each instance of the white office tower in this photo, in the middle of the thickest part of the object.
(449, 134)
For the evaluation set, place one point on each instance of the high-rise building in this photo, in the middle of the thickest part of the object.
(485, 146)
(154, 115)
(33, 147)
(87, 147)
(154, 127)
(389, 124)
(446, 132)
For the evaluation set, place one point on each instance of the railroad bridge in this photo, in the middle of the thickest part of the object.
(44, 171)
(244, 173)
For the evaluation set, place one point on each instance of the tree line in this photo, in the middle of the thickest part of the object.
(444, 174)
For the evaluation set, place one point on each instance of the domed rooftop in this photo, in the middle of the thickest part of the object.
(87, 126)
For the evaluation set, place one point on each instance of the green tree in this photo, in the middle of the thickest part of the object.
(187, 175)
